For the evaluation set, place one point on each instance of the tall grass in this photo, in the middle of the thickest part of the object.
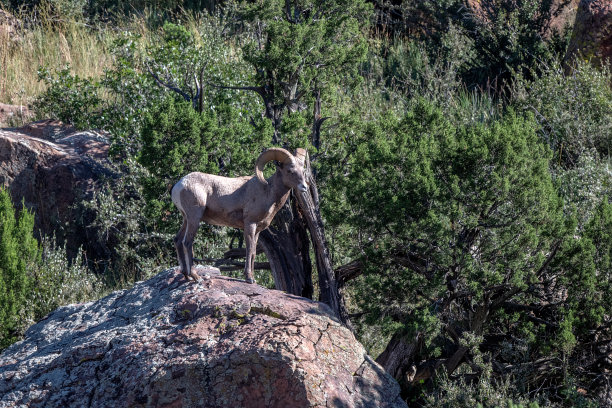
(56, 43)
(74, 44)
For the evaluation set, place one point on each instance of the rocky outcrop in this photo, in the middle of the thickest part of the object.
(563, 16)
(561, 13)
(53, 168)
(171, 343)
(9, 25)
(13, 113)
(592, 34)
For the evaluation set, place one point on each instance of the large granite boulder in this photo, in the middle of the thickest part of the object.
(53, 169)
(171, 343)
(592, 34)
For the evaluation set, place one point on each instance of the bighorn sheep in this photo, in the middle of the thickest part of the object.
(247, 202)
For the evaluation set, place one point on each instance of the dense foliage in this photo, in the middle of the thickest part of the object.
(463, 171)
(462, 232)
(177, 140)
(34, 279)
(18, 249)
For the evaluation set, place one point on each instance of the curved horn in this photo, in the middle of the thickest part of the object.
(274, 153)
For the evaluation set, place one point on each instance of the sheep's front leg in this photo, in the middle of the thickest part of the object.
(251, 244)
(254, 251)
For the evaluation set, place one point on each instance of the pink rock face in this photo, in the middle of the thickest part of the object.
(592, 34)
(52, 168)
(171, 343)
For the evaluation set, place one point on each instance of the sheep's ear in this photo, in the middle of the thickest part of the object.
(301, 155)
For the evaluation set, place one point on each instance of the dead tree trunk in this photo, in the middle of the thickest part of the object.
(287, 248)
(329, 292)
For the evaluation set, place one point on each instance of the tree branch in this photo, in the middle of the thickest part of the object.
(260, 90)
(348, 272)
(169, 86)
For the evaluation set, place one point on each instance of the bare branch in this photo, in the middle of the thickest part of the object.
(260, 90)
(348, 272)
(549, 259)
(169, 86)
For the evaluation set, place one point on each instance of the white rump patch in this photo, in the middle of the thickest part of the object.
(176, 195)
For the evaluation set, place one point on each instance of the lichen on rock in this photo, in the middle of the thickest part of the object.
(217, 343)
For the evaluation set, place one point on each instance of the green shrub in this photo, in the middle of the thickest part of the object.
(135, 246)
(410, 69)
(585, 185)
(484, 392)
(69, 98)
(56, 281)
(574, 110)
(35, 279)
(18, 251)
(490, 40)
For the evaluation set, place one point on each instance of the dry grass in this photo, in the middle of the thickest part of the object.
(84, 48)
(55, 43)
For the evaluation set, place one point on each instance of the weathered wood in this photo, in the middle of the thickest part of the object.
(286, 242)
(287, 248)
(328, 286)
(398, 358)
(234, 253)
(348, 272)
(239, 266)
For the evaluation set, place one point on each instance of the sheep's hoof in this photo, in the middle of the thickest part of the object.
(195, 276)
(187, 276)
(250, 280)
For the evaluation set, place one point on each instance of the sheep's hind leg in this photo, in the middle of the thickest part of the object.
(190, 233)
(180, 253)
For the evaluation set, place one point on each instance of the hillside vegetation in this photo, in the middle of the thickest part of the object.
(462, 162)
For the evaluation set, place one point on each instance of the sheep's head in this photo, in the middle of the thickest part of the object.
(291, 167)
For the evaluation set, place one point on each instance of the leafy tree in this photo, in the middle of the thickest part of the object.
(463, 242)
(18, 249)
(302, 48)
(185, 65)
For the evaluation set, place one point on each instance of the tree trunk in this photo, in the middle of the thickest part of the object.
(286, 245)
(398, 358)
(328, 287)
